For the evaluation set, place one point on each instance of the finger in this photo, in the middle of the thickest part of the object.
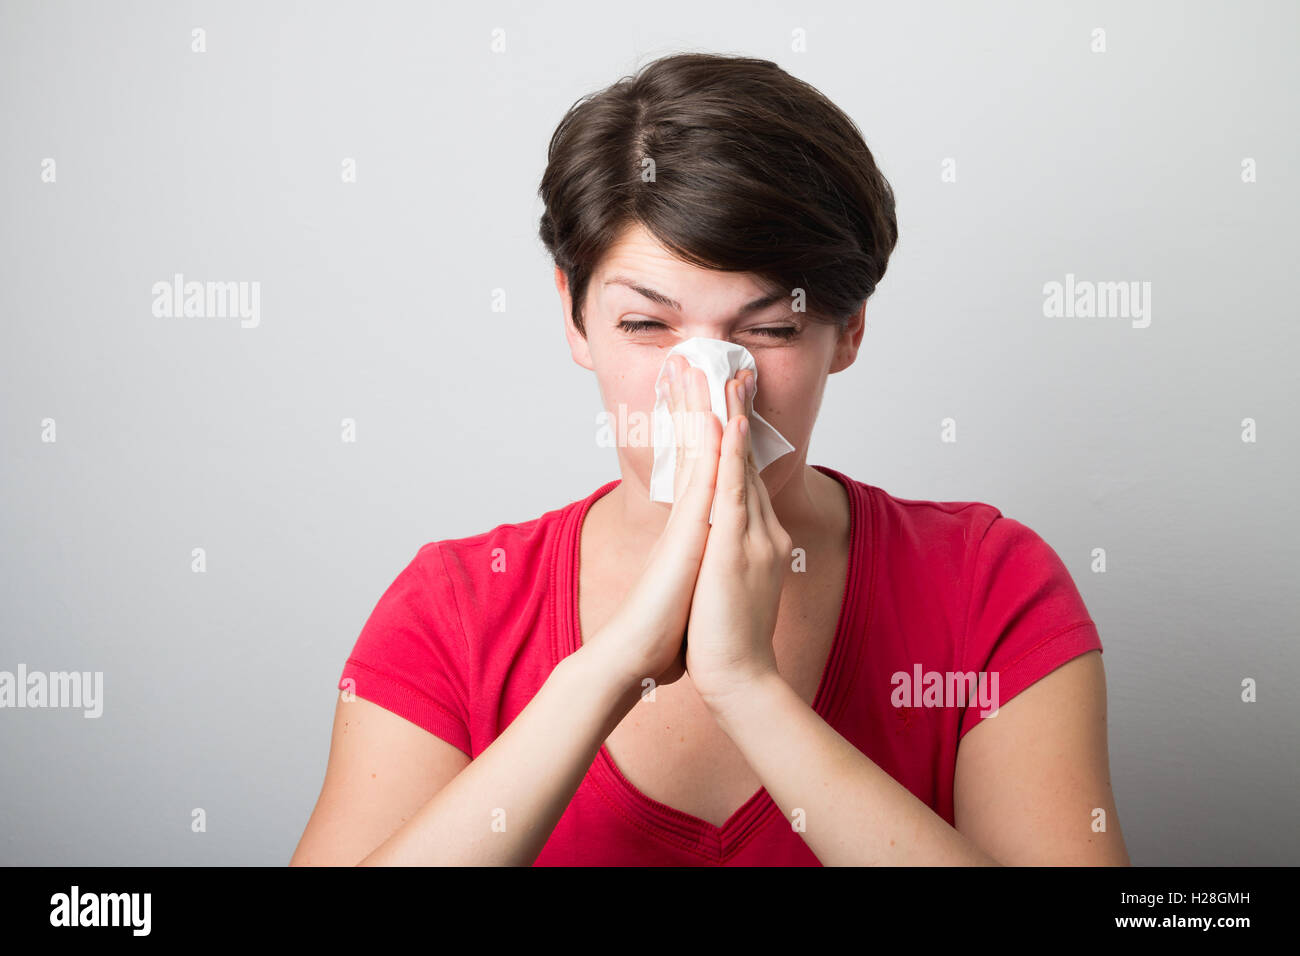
(742, 402)
(735, 392)
(730, 508)
(700, 436)
(698, 409)
(753, 482)
(672, 398)
(766, 511)
(686, 447)
(737, 406)
(739, 392)
(676, 401)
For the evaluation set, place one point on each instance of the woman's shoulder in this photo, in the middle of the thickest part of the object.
(970, 526)
(968, 548)
(510, 562)
(922, 525)
(971, 543)
(501, 551)
(932, 518)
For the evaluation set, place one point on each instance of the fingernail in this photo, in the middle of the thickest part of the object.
(672, 370)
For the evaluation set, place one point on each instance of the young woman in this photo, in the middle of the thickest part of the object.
(804, 680)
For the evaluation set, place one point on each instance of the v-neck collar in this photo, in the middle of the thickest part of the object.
(668, 824)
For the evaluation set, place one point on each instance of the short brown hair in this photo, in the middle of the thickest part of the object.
(754, 171)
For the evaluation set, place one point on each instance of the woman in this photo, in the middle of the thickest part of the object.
(528, 695)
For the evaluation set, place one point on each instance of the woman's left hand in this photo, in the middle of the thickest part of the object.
(738, 589)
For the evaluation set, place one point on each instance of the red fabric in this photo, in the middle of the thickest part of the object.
(470, 629)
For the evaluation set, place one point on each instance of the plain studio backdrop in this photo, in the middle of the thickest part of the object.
(1026, 142)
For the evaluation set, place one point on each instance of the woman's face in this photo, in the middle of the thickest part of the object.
(642, 301)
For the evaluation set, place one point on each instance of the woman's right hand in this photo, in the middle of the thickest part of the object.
(645, 633)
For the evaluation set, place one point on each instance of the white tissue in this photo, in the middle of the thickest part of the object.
(720, 361)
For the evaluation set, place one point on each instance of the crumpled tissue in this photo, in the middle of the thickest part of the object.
(720, 361)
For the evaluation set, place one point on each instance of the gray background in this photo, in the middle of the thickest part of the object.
(376, 305)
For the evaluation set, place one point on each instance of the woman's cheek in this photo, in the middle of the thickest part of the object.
(631, 418)
(787, 412)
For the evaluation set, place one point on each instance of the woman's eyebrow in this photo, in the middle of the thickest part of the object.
(654, 296)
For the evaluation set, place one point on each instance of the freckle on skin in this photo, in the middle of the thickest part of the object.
(372, 776)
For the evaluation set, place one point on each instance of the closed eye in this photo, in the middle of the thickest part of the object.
(633, 326)
(636, 325)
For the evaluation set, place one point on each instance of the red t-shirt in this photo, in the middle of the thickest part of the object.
(471, 628)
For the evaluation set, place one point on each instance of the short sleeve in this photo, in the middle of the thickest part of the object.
(1025, 617)
(411, 656)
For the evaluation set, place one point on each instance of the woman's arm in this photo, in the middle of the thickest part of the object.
(502, 808)
(1028, 781)
(1030, 784)
(391, 781)
(382, 768)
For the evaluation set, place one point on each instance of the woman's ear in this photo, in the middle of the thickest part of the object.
(849, 340)
(578, 346)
